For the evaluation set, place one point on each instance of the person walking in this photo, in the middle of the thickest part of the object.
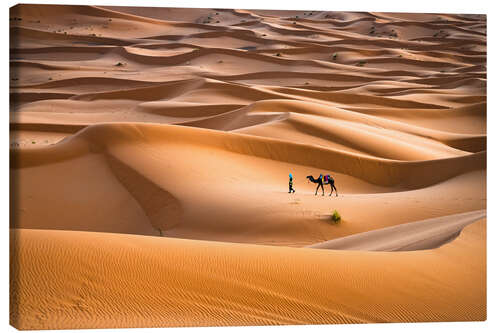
(290, 184)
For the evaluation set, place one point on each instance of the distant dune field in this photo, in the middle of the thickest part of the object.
(150, 150)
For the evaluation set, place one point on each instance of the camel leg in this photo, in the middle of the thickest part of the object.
(331, 186)
(323, 189)
(317, 187)
(336, 194)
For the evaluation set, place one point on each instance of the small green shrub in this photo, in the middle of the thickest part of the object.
(336, 216)
(334, 56)
(361, 63)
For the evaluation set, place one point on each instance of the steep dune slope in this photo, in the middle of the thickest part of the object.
(413, 236)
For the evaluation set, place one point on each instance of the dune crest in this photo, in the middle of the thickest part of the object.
(421, 235)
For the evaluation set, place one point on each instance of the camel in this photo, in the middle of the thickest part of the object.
(319, 181)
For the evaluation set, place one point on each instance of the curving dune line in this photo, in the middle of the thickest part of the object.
(371, 117)
(31, 96)
(414, 236)
(409, 146)
(101, 81)
(186, 110)
(162, 91)
(128, 53)
(378, 171)
(171, 90)
(284, 74)
(26, 64)
(44, 127)
(27, 33)
(215, 115)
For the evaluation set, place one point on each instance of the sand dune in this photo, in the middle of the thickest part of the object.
(147, 161)
(105, 280)
(150, 153)
(421, 235)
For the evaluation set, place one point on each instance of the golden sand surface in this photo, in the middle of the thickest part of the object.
(150, 153)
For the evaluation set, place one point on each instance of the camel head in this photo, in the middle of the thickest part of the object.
(310, 178)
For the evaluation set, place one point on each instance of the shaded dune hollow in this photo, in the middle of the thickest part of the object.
(150, 153)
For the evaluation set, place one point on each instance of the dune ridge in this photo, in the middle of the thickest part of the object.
(420, 235)
(100, 138)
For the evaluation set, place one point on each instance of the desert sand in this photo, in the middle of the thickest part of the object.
(150, 153)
